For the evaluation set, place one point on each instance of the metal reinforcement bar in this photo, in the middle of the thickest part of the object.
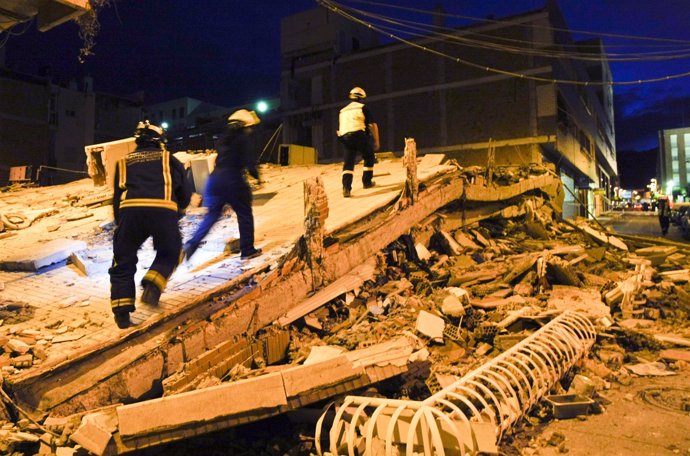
(495, 395)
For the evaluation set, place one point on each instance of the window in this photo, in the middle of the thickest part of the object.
(181, 112)
(174, 113)
(52, 109)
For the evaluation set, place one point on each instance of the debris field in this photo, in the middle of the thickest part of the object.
(461, 336)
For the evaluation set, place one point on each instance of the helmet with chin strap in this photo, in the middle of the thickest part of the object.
(147, 133)
(357, 93)
(243, 118)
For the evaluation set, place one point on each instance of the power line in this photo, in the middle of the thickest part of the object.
(335, 8)
(544, 52)
(521, 24)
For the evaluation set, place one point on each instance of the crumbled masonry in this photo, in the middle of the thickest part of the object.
(437, 323)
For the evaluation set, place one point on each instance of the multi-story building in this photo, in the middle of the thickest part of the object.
(561, 111)
(183, 113)
(45, 124)
(674, 160)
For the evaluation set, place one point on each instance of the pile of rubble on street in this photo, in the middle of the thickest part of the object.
(459, 337)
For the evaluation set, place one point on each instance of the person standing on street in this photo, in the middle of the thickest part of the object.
(664, 209)
(359, 133)
(227, 184)
(150, 195)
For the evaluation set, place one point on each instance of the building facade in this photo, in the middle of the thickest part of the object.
(674, 160)
(460, 110)
(45, 125)
(183, 113)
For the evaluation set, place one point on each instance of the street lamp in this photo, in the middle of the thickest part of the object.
(262, 106)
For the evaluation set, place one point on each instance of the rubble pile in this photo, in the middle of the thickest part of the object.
(458, 295)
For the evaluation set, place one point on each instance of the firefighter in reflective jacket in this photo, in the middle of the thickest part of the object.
(151, 193)
(358, 132)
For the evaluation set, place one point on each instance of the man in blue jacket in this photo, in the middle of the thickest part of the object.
(151, 193)
(227, 184)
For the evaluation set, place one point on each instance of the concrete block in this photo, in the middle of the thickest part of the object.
(305, 378)
(92, 437)
(204, 405)
(44, 255)
(430, 325)
(18, 346)
(92, 262)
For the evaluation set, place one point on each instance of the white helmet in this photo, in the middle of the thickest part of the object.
(244, 117)
(357, 93)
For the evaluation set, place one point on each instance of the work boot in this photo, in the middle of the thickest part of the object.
(122, 318)
(346, 192)
(151, 294)
(370, 184)
(251, 254)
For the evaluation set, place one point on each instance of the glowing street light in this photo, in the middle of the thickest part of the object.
(164, 125)
(669, 187)
(262, 106)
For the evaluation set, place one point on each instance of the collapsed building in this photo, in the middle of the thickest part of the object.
(436, 317)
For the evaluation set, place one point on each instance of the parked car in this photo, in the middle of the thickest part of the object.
(678, 210)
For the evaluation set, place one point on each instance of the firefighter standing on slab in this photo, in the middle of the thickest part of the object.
(151, 193)
(359, 133)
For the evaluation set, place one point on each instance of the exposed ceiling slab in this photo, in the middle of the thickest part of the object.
(49, 13)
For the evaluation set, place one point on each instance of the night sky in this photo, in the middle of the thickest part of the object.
(227, 52)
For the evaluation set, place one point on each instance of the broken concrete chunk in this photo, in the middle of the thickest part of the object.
(448, 244)
(465, 241)
(656, 369)
(583, 300)
(92, 262)
(217, 402)
(422, 252)
(679, 276)
(92, 437)
(323, 352)
(430, 325)
(17, 346)
(48, 253)
(452, 306)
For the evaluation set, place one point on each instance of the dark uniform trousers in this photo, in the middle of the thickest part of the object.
(357, 142)
(227, 187)
(135, 226)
